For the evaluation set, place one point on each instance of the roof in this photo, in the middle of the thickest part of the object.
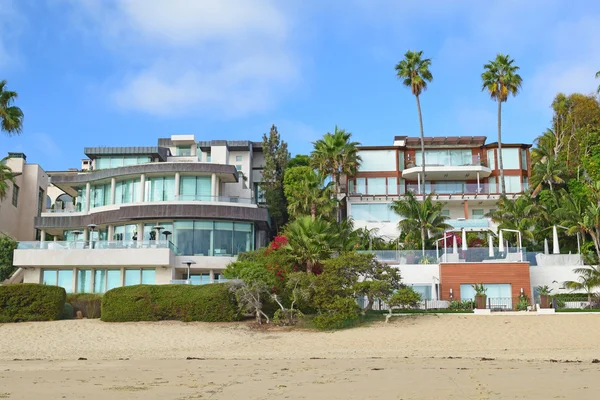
(446, 141)
(160, 152)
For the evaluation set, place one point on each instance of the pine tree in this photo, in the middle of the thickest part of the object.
(276, 159)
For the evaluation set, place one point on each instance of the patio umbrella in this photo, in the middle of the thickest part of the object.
(454, 244)
(464, 239)
(491, 245)
(555, 246)
(501, 243)
(546, 248)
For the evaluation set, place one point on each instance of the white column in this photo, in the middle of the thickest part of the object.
(111, 232)
(142, 193)
(140, 231)
(212, 276)
(87, 197)
(74, 288)
(122, 276)
(85, 234)
(113, 190)
(213, 186)
(218, 187)
(56, 238)
(93, 280)
(419, 182)
(177, 178)
(42, 235)
(478, 182)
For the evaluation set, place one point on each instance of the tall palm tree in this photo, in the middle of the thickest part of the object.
(499, 79)
(6, 176)
(414, 72)
(311, 196)
(310, 241)
(519, 214)
(420, 216)
(588, 280)
(11, 117)
(335, 155)
(547, 171)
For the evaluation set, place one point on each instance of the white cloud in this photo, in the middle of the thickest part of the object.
(191, 57)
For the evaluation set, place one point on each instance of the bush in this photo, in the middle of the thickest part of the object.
(88, 303)
(464, 305)
(31, 302)
(209, 303)
(341, 313)
(67, 312)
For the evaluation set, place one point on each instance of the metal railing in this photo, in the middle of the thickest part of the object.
(195, 281)
(472, 254)
(441, 189)
(208, 198)
(505, 303)
(97, 244)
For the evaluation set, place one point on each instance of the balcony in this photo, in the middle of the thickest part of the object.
(448, 171)
(438, 188)
(470, 255)
(469, 224)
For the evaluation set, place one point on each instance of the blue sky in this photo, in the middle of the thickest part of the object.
(125, 72)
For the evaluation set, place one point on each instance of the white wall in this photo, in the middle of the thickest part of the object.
(219, 154)
(96, 257)
(540, 276)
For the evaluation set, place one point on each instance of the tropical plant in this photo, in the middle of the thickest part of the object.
(307, 193)
(299, 160)
(547, 171)
(251, 283)
(310, 241)
(522, 303)
(300, 287)
(11, 116)
(405, 297)
(414, 72)
(499, 79)
(518, 214)
(7, 247)
(6, 176)
(588, 280)
(335, 155)
(276, 159)
(480, 290)
(544, 290)
(376, 280)
(424, 216)
(598, 77)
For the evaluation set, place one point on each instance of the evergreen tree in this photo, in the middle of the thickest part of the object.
(276, 159)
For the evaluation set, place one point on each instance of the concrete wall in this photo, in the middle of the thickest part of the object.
(553, 276)
(452, 275)
(95, 257)
(203, 262)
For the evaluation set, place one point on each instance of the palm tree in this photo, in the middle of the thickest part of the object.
(420, 216)
(335, 155)
(310, 241)
(520, 214)
(311, 196)
(587, 222)
(11, 117)
(589, 278)
(598, 77)
(500, 78)
(549, 172)
(6, 176)
(414, 72)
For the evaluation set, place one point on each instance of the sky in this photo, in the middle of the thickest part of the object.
(126, 72)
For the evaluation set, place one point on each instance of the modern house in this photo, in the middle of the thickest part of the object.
(178, 211)
(25, 200)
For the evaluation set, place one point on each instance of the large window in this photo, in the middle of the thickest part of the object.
(510, 158)
(150, 232)
(61, 277)
(524, 159)
(84, 280)
(423, 290)
(494, 291)
(140, 276)
(445, 157)
(491, 158)
(373, 212)
(377, 160)
(127, 191)
(185, 151)
(160, 188)
(15, 195)
(125, 232)
(120, 161)
(376, 186)
(100, 195)
(213, 238)
(493, 187)
(106, 279)
(513, 184)
(195, 188)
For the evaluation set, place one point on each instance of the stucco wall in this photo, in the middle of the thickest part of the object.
(553, 276)
(96, 257)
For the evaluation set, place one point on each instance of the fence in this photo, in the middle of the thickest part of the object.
(380, 305)
(472, 254)
(576, 303)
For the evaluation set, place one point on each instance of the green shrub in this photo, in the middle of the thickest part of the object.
(67, 312)
(341, 313)
(31, 302)
(209, 303)
(88, 303)
(464, 305)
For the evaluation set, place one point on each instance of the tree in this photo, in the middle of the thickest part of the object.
(598, 77)
(299, 289)
(378, 281)
(299, 160)
(521, 214)
(276, 159)
(6, 177)
(7, 247)
(405, 297)
(424, 216)
(588, 280)
(310, 241)
(500, 78)
(11, 117)
(251, 283)
(414, 72)
(307, 193)
(547, 171)
(335, 155)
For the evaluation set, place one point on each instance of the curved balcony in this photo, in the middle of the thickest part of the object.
(448, 172)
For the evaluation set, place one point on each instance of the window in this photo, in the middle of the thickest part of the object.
(238, 158)
(494, 291)
(61, 277)
(100, 195)
(140, 276)
(392, 185)
(15, 195)
(423, 290)
(477, 213)
(361, 186)
(106, 279)
(195, 188)
(160, 189)
(40, 201)
(377, 160)
(213, 238)
(238, 167)
(208, 157)
(510, 158)
(376, 186)
(524, 159)
(374, 212)
(84, 280)
(120, 161)
(525, 183)
(493, 187)
(491, 156)
(446, 213)
(513, 184)
(445, 157)
(183, 150)
(127, 191)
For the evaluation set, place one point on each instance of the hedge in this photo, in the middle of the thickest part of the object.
(88, 303)
(31, 302)
(209, 303)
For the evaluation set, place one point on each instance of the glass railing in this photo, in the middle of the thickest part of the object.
(468, 223)
(472, 254)
(195, 281)
(448, 161)
(97, 244)
(224, 199)
(463, 188)
(61, 210)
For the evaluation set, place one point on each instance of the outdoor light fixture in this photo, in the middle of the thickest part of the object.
(92, 228)
(451, 294)
(189, 266)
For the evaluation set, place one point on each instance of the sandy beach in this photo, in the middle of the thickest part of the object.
(419, 357)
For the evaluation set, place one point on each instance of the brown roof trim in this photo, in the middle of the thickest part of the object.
(378, 147)
(512, 145)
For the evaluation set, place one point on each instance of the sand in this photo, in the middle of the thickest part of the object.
(419, 357)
